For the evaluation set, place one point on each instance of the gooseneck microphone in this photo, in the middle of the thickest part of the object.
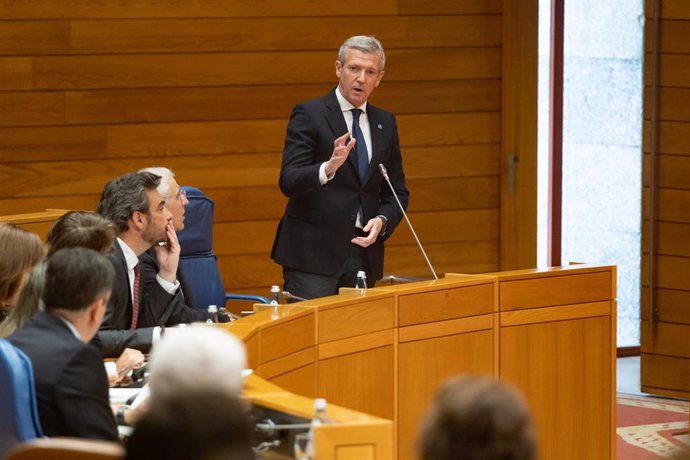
(384, 173)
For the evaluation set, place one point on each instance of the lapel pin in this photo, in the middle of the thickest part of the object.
(380, 126)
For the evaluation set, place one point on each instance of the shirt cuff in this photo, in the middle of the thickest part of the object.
(110, 368)
(169, 287)
(323, 178)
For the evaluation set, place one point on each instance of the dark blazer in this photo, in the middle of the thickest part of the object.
(115, 335)
(178, 309)
(71, 382)
(315, 232)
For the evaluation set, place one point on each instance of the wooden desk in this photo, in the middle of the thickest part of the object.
(549, 332)
(37, 222)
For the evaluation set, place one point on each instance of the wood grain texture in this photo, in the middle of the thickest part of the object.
(567, 400)
(357, 380)
(420, 376)
(285, 337)
(296, 33)
(103, 9)
(92, 90)
(353, 320)
(447, 304)
(555, 290)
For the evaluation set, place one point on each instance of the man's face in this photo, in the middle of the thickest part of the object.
(176, 202)
(156, 219)
(359, 75)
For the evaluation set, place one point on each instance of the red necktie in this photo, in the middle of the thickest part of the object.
(135, 298)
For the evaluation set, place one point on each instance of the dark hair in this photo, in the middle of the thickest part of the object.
(194, 425)
(125, 195)
(81, 229)
(477, 418)
(75, 277)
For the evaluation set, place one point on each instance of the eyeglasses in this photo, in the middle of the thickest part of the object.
(181, 195)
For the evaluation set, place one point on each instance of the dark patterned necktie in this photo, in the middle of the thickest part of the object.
(360, 145)
(135, 297)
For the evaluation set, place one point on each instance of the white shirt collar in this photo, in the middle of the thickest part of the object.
(345, 105)
(70, 326)
(130, 256)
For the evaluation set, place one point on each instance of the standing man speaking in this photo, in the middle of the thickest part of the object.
(339, 211)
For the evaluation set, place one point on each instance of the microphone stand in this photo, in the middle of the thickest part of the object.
(384, 173)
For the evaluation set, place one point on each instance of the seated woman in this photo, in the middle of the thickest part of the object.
(74, 229)
(21, 250)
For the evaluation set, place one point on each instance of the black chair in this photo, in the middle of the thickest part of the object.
(198, 260)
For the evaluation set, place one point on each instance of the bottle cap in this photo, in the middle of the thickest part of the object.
(361, 274)
(275, 288)
(320, 404)
(212, 308)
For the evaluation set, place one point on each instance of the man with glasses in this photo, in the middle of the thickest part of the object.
(180, 305)
(339, 210)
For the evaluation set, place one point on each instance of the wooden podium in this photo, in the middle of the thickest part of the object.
(379, 357)
(549, 332)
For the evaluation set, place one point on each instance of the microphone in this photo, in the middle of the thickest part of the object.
(290, 296)
(384, 173)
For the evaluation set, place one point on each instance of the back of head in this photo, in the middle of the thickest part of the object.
(166, 176)
(20, 250)
(125, 195)
(473, 418)
(199, 424)
(365, 44)
(197, 357)
(28, 302)
(75, 277)
(81, 229)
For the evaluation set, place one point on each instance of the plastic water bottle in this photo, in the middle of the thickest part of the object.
(212, 315)
(275, 294)
(319, 418)
(361, 282)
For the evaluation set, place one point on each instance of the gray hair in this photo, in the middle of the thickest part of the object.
(365, 44)
(166, 178)
(125, 195)
(197, 357)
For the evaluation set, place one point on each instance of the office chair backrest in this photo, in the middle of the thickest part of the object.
(197, 259)
(18, 412)
(68, 448)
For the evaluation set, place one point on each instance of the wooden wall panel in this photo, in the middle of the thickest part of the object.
(666, 204)
(91, 90)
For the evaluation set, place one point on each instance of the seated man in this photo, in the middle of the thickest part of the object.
(71, 382)
(182, 308)
(134, 315)
(477, 418)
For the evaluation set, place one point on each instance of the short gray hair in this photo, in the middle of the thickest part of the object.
(197, 357)
(365, 44)
(166, 178)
